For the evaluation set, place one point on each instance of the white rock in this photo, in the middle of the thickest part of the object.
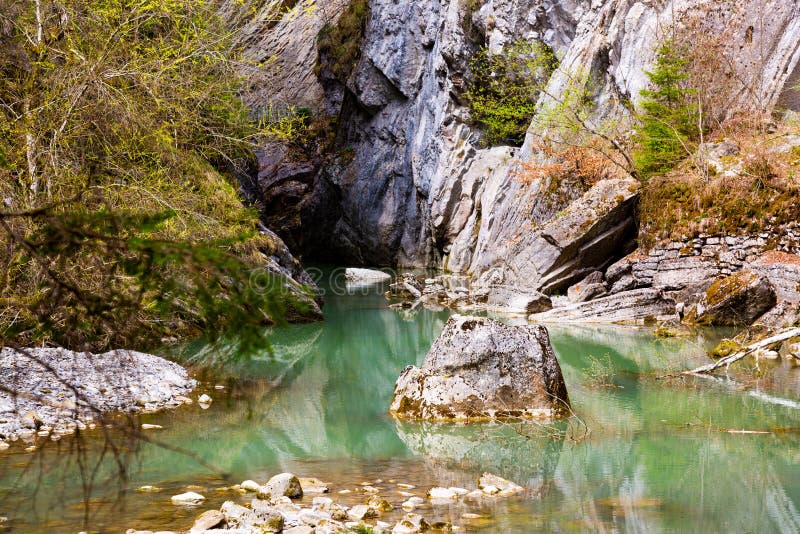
(322, 503)
(4, 445)
(360, 275)
(490, 490)
(360, 512)
(189, 497)
(250, 485)
(282, 485)
(442, 493)
(205, 399)
(492, 484)
(147, 426)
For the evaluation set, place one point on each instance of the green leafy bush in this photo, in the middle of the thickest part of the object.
(121, 131)
(505, 87)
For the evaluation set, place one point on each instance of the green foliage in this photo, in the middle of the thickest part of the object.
(117, 129)
(601, 371)
(668, 131)
(339, 45)
(505, 87)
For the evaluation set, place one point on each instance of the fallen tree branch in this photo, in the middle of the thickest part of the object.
(736, 356)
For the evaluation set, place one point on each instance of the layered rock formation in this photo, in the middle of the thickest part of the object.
(417, 187)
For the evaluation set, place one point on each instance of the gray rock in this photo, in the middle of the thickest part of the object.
(281, 485)
(511, 300)
(480, 368)
(131, 382)
(366, 275)
(736, 300)
(625, 283)
(783, 271)
(587, 289)
(411, 524)
(631, 307)
(208, 520)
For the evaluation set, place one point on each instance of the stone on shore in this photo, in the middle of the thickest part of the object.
(207, 521)
(736, 300)
(282, 485)
(116, 381)
(587, 289)
(479, 368)
(629, 307)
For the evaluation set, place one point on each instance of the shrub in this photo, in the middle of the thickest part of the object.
(504, 89)
(339, 45)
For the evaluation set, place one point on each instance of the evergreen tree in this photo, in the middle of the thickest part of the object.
(668, 129)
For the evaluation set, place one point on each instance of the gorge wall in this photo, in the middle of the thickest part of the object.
(412, 182)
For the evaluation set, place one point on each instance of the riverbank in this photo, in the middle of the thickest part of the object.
(52, 392)
(378, 506)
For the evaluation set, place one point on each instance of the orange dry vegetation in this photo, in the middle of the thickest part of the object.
(775, 256)
(757, 188)
(586, 164)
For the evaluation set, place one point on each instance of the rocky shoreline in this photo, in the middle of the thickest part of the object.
(276, 507)
(51, 392)
(668, 283)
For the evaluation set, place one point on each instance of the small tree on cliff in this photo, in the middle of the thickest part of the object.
(669, 123)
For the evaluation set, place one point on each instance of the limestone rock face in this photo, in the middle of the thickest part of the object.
(480, 368)
(419, 188)
(590, 287)
(511, 300)
(736, 300)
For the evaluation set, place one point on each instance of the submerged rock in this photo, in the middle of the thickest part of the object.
(738, 299)
(189, 497)
(480, 368)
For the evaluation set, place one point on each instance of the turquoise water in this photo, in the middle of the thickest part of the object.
(656, 453)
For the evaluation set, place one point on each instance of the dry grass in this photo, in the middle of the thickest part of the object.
(747, 192)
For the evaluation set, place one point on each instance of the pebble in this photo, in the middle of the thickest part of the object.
(250, 485)
(205, 399)
(147, 426)
(4, 445)
(406, 486)
(442, 493)
(189, 498)
(360, 512)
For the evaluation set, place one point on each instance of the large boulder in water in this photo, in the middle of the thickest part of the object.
(480, 368)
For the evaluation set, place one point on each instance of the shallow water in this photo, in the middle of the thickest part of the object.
(659, 456)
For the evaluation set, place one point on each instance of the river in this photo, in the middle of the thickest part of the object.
(656, 454)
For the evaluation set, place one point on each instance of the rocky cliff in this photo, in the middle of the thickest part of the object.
(413, 183)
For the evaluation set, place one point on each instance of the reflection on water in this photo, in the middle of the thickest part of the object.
(659, 457)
